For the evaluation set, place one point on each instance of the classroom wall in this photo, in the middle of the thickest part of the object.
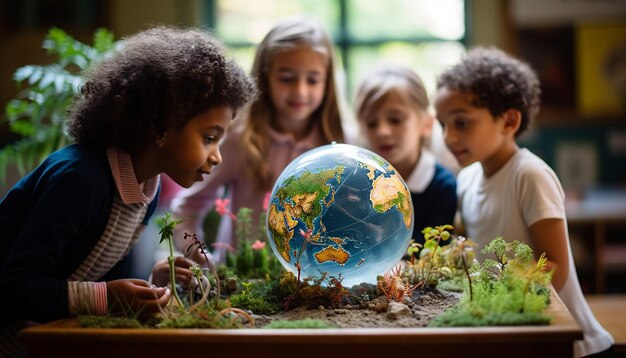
(584, 155)
(128, 17)
(488, 23)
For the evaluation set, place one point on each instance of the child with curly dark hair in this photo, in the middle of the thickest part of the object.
(159, 104)
(484, 103)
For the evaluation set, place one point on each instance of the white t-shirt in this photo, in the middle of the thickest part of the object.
(525, 190)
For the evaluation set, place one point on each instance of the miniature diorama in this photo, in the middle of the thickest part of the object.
(339, 222)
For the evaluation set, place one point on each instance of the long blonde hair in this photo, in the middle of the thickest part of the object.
(289, 34)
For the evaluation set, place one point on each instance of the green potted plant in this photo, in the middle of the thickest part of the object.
(38, 112)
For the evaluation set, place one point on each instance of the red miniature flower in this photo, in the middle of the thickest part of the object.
(266, 201)
(221, 206)
(258, 245)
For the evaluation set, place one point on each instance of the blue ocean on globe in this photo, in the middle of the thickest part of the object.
(341, 210)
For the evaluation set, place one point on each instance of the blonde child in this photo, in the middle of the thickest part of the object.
(160, 104)
(391, 106)
(298, 109)
(484, 103)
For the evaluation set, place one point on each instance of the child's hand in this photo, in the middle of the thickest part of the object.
(161, 272)
(202, 260)
(136, 295)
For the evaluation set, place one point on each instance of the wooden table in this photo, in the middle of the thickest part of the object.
(65, 339)
(610, 311)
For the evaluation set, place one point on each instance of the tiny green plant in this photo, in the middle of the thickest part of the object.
(460, 251)
(254, 298)
(413, 250)
(430, 265)
(198, 245)
(196, 270)
(167, 225)
(203, 285)
(505, 253)
(434, 236)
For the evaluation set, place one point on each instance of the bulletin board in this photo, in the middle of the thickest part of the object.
(601, 70)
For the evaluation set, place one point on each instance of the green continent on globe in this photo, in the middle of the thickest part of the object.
(302, 197)
(389, 192)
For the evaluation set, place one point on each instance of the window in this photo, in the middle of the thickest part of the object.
(425, 35)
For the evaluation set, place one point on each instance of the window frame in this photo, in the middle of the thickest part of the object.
(342, 40)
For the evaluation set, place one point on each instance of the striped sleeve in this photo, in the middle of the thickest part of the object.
(87, 298)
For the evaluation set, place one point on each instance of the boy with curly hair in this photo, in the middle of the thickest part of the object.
(159, 104)
(484, 103)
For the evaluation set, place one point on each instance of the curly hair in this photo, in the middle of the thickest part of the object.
(498, 82)
(156, 80)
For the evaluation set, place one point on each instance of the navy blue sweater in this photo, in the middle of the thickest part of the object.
(51, 220)
(436, 205)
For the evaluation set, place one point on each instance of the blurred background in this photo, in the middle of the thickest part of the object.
(578, 48)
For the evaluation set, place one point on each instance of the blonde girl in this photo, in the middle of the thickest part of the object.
(391, 105)
(298, 109)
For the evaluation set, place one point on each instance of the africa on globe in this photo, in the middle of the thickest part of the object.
(342, 210)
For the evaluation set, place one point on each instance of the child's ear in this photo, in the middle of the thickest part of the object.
(160, 142)
(512, 121)
(159, 139)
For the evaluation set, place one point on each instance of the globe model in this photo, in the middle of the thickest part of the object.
(340, 210)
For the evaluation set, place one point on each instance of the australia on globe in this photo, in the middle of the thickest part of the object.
(341, 210)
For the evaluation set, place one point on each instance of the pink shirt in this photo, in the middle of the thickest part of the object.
(194, 203)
